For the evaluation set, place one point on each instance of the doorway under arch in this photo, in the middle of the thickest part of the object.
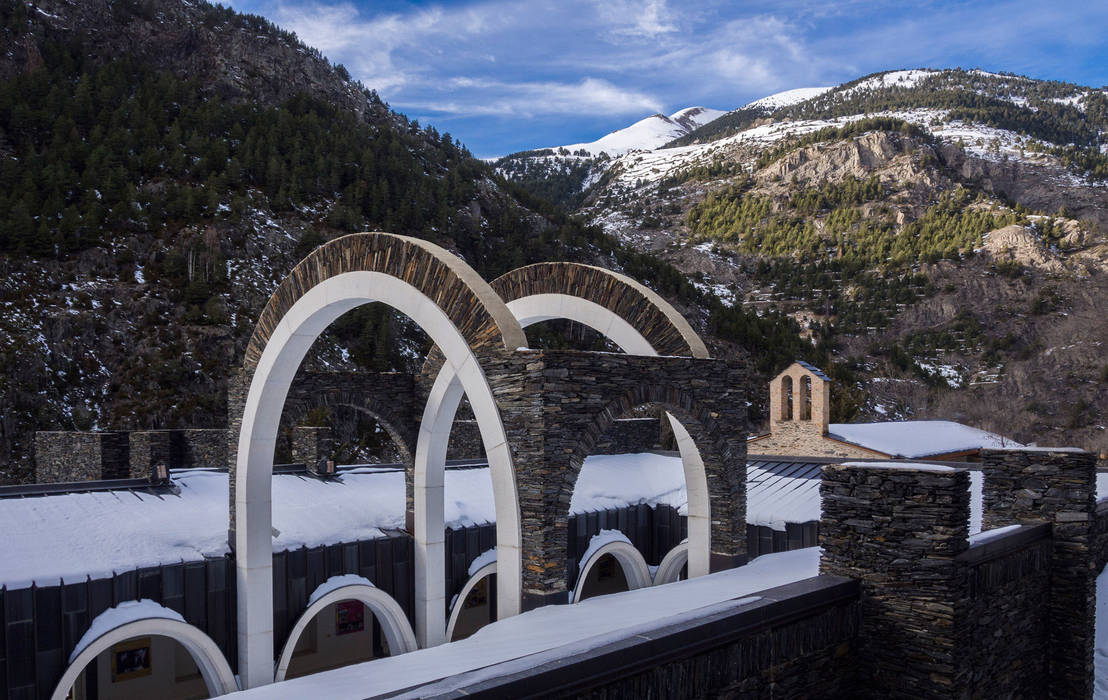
(333, 593)
(137, 635)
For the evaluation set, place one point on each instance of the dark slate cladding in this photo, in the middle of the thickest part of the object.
(795, 641)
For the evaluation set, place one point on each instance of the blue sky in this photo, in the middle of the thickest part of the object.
(505, 76)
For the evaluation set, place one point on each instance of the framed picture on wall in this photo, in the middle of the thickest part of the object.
(349, 616)
(131, 659)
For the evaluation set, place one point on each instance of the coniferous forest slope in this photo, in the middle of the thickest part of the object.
(163, 164)
(940, 233)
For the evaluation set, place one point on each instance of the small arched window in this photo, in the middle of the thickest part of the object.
(786, 398)
(806, 398)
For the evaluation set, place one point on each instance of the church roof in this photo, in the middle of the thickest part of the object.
(814, 370)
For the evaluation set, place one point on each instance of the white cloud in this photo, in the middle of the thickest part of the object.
(468, 96)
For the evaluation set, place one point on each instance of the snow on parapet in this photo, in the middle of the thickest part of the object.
(786, 98)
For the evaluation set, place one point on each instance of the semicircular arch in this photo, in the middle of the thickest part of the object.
(213, 667)
(394, 623)
(630, 560)
(461, 314)
(609, 302)
(669, 570)
(468, 300)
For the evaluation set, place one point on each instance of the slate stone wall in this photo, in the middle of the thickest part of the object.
(1057, 487)
(465, 441)
(899, 530)
(558, 405)
(629, 436)
(1009, 613)
(64, 456)
(1011, 616)
(148, 449)
(310, 445)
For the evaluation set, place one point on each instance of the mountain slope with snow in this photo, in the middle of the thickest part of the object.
(648, 134)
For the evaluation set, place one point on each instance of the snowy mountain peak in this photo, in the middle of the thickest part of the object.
(649, 133)
(692, 118)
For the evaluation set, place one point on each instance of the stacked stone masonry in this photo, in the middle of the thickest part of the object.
(65, 456)
(558, 405)
(1008, 617)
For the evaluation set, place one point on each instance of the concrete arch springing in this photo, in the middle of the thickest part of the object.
(630, 560)
(669, 570)
(394, 623)
(461, 314)
(146, 619)
(455, 609)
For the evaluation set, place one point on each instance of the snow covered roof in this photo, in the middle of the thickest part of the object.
(915, 439)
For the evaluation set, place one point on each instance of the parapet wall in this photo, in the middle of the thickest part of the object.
(1004, 614)
(794, 641)
(63, 456)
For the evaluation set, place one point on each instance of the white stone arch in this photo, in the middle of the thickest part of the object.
(394, 623)
(670, 568)
(630, 560)
(150, 619)
(455, 610)
(287, 343)
(446, 395)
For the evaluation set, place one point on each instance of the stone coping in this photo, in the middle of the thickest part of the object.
(1005, 544)
(763, 610)
(904, 466)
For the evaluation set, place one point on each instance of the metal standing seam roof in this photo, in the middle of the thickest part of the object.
(814, 370)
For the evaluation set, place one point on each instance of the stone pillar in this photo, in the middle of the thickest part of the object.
(238, 384)
(149, 448)
(311, 445)
(898, 530)
(1057, 486)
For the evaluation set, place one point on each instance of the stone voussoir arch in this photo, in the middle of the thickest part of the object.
(714, 501)
(462, 315)
(570, 290)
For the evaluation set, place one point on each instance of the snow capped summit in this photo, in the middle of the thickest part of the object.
(692, 118)
(650, 133)
(788, 97)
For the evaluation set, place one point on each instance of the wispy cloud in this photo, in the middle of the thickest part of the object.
(552, 71)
